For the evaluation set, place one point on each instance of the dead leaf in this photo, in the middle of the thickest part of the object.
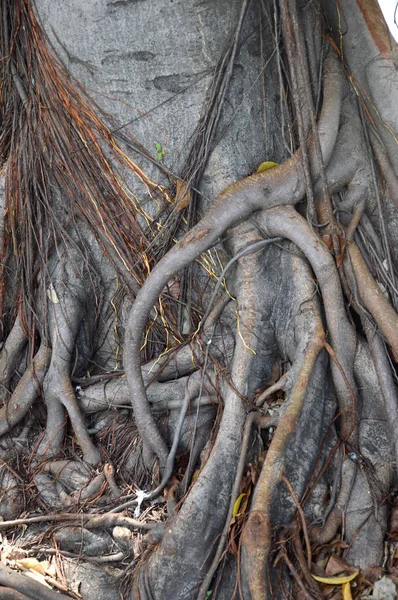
(51, 570)
(183, 195)
(336, 565)
(372, 574)
(173, 286)
(33, 564)
(394, 520)
(327, 590)
(338, 544)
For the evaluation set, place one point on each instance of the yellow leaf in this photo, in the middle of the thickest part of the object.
(347, 591)
(34, 564)
(336, 580)
(265, 166)
(237, 504)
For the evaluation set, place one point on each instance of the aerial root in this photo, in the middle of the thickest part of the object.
(286, 221)
(65, 319)
(12, 500)
(7, 593)
(310, 589)
(91, 521)
(26, 392)
(206, 506)
(281, 184)
(257, 533)
(234, 494)
(312, 585)
(11, 352)
(373, 299)
(323, 534)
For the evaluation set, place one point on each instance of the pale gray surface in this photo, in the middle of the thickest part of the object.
(92, 582)
(375, 76)
(135, 54)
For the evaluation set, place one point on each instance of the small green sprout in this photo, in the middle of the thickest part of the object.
(160, 151)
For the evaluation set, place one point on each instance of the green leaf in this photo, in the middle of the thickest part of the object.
(209, 593)
(158, 147)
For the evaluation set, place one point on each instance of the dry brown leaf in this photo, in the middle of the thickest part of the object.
(371, 574)
(174, 287)
(336, 565)
(394, 520)
(339, 544)
(183, 195)
(327, 590)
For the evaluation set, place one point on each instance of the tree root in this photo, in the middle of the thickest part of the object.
(291, 225)
(282, 331)
(26, 391)
(372, 298)
(282, 184)
(257, 534)
(10, 489)
(7, 593)
(202, 519)
(10, 353)
(90, 521)
(27, 586)
(204, 588)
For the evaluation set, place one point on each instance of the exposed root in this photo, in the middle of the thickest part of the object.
(10, 354)
(257, 535)
(372, 298)
(281, 332)
(279, 185)
(204, 588)
(90, 521)
(26, 392)
(65, 321)
(11, 500)
(288, 222)
(27, 586)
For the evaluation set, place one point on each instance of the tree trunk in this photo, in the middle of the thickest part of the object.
(199, 295)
